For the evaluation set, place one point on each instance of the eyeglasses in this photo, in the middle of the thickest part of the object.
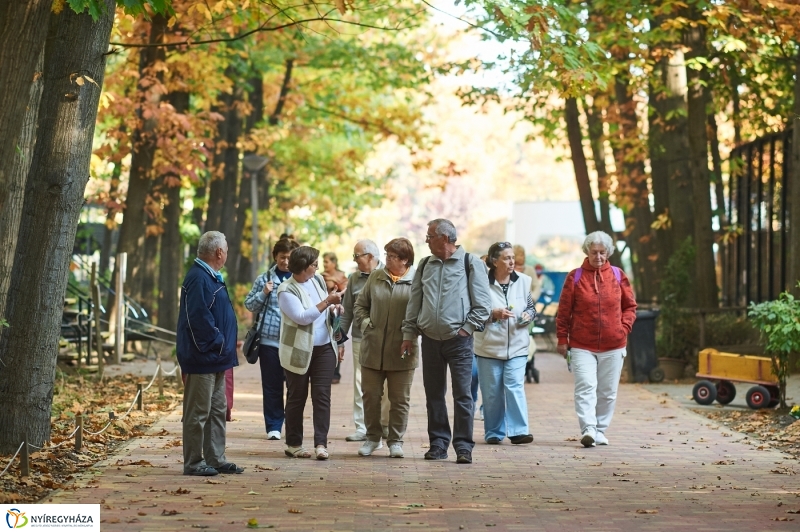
(503, 245)
(428, 238)
(315, 265)
(356, 255)
(392, 256)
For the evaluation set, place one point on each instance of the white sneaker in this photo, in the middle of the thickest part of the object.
(588, 438)
(356, 436)
(396, 450)
(368, 447)
(601, 439)
(274, 435)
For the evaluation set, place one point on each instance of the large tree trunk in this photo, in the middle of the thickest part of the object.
(23, 27)
(579, 165)
(705, 279)
(793, 275)
(633, 189)
(217, 185)
(53, 199)
(11, 213)
(149, 271)
(170, 265)
(132, 233)
(107, 250)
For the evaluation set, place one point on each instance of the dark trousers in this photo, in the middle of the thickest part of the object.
(455, 353)
(272, 380)
(319, 375)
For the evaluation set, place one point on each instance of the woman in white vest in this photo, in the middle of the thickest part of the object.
(307, 350)
(502, 349)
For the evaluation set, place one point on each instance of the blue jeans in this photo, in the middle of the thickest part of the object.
(505, 408)
(475, 384)
(457, 354)
(272, 379)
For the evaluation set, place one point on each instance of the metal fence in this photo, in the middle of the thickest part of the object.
(755, 248)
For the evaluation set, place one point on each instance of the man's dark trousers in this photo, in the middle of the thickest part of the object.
(455, 353)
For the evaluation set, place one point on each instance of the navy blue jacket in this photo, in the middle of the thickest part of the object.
(207, 329)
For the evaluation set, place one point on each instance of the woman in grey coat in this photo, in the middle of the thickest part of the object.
(379, 312)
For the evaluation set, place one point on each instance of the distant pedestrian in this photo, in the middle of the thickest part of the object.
(307, 350)
(449, 302)
(386, 373)
(596, 311)
(335, 279)
(263, 301)
(502, 349)
(367, 258)
(206, 348)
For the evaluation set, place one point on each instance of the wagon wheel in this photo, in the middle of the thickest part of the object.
(758, 397)
(775, 396)
(656, 375)
(704, 392)
(726, 391)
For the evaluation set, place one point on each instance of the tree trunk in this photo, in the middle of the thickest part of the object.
(633, 189)
(170, 265)
(11, 214)
(705, 279)
(793, 193)
(594, 120)
(149, 272)
(53, 198)
(132, 233)
(107, 250)
(199, 203)
(216, 185)
(231, 157)
(575, 136)
(23, 28)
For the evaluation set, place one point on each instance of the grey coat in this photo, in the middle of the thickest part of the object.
(443, 301)
(379, 312)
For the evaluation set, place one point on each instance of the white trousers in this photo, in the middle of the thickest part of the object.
(596, 382)
(358, 396)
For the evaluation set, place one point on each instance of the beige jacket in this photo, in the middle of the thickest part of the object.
(379, 312)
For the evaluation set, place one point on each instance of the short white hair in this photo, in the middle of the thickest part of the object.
(209, 243)
(369, 247)
(445, 227)
(598, 237)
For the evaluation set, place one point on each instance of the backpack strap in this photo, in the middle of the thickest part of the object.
(617, 274)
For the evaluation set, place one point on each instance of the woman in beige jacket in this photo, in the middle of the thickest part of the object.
(379, 312)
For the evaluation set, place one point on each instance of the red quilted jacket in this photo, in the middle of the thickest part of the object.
(597, 312)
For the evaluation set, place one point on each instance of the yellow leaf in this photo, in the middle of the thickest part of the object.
(341, 6)
(90, 80)
(172, 20)
(58, 6)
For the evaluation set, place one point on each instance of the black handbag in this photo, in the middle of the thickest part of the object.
(251, 342)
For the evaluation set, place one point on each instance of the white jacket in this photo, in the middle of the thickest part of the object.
(505, 339)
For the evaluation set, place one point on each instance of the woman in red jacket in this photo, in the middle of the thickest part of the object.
(595, 314)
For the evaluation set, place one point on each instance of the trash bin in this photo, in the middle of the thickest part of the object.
(642, 348)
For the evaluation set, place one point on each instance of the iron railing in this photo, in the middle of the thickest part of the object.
(755, 245)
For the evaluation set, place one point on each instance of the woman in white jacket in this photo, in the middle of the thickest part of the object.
(502, 349)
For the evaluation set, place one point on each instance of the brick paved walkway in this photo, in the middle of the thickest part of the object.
(666, 469)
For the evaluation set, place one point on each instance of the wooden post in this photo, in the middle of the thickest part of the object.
(119, 332)
(140, 397)
(24, 460)
(160, 376)
(79, 432)
(98, 337)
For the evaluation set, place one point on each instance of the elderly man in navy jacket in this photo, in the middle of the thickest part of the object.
(206, 347)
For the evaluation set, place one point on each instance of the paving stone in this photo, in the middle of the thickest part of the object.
(666, 468)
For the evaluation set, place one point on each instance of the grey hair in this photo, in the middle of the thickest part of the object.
(370, 247)
(444, 227)
(209, 243)
(598, 237)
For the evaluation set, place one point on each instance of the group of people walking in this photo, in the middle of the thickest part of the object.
(446, 310)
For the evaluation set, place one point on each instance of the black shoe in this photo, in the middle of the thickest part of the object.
(523, 438)
(494, 440)
(535, 375)
(464, 457)
(229, 468)
(436, 453)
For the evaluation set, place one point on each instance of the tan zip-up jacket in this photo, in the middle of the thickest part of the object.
(379, 312)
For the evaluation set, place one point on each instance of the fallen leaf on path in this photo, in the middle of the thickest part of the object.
(295, 511)
(214, 504)
(169, 512)
(646, 511)
(783, 519)
(180, 491)
(250, 508)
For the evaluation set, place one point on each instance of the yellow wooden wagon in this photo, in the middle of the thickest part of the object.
(720, 370)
